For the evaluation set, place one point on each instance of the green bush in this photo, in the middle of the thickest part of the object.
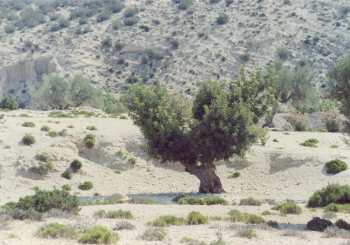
(283, 52)
(123, 117)
(228, 2)
(288, 208)
(142, 200)
(177, 198)
(253, 219)
(45, 166)
(250, 202)
(104, 15)
(66, 174)
(130, 21)
(98, 235)
(76, 165)
(89, 140)
(332, 193)
(343, 208)
(175, 43)
(53, 134)
(28, 124)
(236, 216)
(107, 42)
(130, 12)
(222, 19)
(55, 230)
(335, 166)
(120, 214)
(245, 56)
(154, 234)
(124, 225)
(45, 128)
(310, 143)
(185, 4)
(195, 218)
(20, 214)
(9, 28)
(66, 187)
(236, 174)
(155, 54)
(272, 224)
(342, 224)
(8, 103)
(42, 201)
(132, 160)
(210, 200)
(118, 46)
(190, 201)
(246, 232)
(87, 185)
(115, 6)
(266, 212)
(168, 220)
(28, 140)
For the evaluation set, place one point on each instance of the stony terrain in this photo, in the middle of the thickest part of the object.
(274, 173)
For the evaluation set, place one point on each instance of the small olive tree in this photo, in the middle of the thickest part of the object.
(218, 125)
(339, 86)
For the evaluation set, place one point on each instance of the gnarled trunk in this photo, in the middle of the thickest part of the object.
(209, 181)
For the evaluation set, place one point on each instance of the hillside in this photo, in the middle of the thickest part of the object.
(181, 47)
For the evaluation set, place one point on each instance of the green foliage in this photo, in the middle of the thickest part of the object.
(66, 187)
(45, 128)
(247, 232)
(245, 56)
(28, 140)
(236, 216)
(28, 124)
(55, 230)
(283, 52)
(142, 200)
(87, 185)
(98, 235)
(91, 128)
(228, 2)
(236, 174)
(185, 4)
(334, 146)
(123, 117)
(118, 46)
(107, 42)
(192, 241)
(235, 108)
(190, 201)
(30, 18)
(272, 224)
(342, 208)
(250, 202)
(8, 103)
(335, 166)
(9, 28)
(104, 15)
(177, 198)
(29, 214)
(115, 6)
(222, 19)
(253, 219)
(119, 214)
(275, 140)
(42, 201)
(89, 140)
(266, 212)
(154, 234)
(195, 218)
(53, 134)
(130, 12)
(332, 193)
(124, 225)
(175, 43)
(155, 54)
(168, 220)
(288, 208)
(212, 200)
(117, 172)
(132, 160)
(45, 166)
(130, 21)
(66, 174)
(310, 143)
(342, 224)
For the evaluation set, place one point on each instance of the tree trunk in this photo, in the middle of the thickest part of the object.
(209, 181)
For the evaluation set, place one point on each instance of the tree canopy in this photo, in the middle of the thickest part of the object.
(219, 124)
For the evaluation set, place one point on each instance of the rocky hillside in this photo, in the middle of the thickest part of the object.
(182, 42)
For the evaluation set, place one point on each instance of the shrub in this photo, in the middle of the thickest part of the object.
(20, 214)
(120, 214)
(142, 200)
(262, 134)
(203, 34)
(184, 4)
(266, 212)
(332, 231)
(275, 140)
(76, 165)
(177, 198)
(236, 174)
(28, 140)
(329, 215)
(132, 160)
(283, 52)
(245, 56)
(155, 54)
(175, 43)
(297, 119)
(344, 9)
(98, 235)
(332, 120)
(55, 230)
(8, 103)
(334, 146)
(222, 19)
(210, 200)
(118, 46)
(28, 124)
(28, 43)
(236, 216)
(130, 21)
(107, 42)
(344, 208)
(154, 234)
(228, 2)
(342, 224)
(288, 208)
(89, 140)
(335, 166)
(45, 128)
(190, 201)
(250, 202)
(115, 6)
(332, 193)
(195, 218)
(66, 187)
(104, 15)
(272, 224)
(130, 12)
(246, 232)
(253, 219)
(168, 220)
(91, 128)
(53, 134)
(124, 225)
(42, 201)
(117, 172)
(87, 185)
(145, 28)
(9, 28)
(45, 166)
(310, 143)
(66, 174)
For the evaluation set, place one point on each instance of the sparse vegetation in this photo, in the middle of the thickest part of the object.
(310, 143)
(195, 218)
(332, 193)
(250, 202)
(87, 185)
(66, 174)
(142, 200)
(53, 134)
(28, 124)
(288, 208)
(168, 220)
(55, 230)
(222, 19)
(45, 128)
(154, 234)
(28, 140)
(89, 140)
(98, 235)
(335, 166)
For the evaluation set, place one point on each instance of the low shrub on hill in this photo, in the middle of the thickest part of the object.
(8, 103)
(45, 165)
(250, 202)
(89, 140)
(76, 165)
(66, 187)
(142, 200)
(288, 208)
(342, 224)
(45, 128)
(66, 174)
(87, 185)
(222, 19)
(28, 140)
(335, 166)
(99, 235)
(332, 193)
(55, 230)
(195, 218)
(310, 143)
(168, 220)
(154, 234)
(28, 124)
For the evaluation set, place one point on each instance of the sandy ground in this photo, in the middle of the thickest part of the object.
(276, 172)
